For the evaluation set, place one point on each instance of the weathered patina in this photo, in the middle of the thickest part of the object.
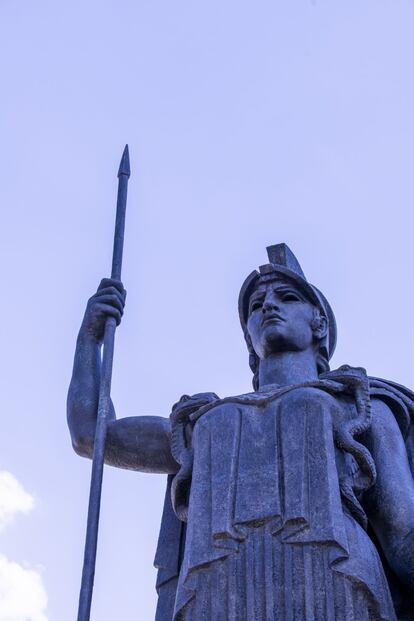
(292, 502)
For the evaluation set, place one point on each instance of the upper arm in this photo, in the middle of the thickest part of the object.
(390, 502)
(140, 443)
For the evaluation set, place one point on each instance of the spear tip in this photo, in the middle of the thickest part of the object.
(124, 167)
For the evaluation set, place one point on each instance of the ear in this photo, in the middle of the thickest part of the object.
(319, 326)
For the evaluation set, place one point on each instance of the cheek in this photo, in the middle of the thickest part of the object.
(251, 328)
(301, 315)
(254, 329)
(302, 324)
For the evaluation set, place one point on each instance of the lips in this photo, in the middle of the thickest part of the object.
(269, 319)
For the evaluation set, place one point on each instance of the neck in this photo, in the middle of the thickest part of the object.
(288, 368)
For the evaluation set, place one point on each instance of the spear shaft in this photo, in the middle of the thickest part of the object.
(104, 403)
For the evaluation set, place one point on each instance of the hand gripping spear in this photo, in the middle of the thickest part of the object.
(88, 572)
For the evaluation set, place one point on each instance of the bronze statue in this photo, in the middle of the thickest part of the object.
(292, 502)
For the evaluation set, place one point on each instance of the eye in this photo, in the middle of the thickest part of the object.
(256, 305)
(290, 297)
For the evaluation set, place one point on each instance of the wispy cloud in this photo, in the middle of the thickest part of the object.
(13, 499)
(22, 594)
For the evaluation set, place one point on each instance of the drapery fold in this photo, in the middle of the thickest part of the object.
(265, 489)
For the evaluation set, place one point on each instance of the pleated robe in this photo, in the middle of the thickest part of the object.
(268, 537)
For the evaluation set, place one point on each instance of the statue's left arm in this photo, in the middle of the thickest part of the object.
(390, 502)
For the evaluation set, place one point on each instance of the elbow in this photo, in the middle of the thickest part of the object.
(82, 437)
(82, 445)
(82, 434)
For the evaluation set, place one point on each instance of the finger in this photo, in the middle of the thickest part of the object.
(109, 311)
(111, 282)
(110, 291)
(111, 300)
(114, 299)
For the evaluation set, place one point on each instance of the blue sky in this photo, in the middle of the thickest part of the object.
(248, 124)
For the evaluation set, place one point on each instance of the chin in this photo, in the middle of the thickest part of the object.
(274, 342)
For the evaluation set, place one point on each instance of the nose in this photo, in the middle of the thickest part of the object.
(270, 304)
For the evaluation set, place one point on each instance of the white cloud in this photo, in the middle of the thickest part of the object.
(13, 499)
(22, 594)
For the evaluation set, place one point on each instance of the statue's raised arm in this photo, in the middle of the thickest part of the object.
(135, 443)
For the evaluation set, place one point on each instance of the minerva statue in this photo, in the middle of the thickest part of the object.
(294, 502)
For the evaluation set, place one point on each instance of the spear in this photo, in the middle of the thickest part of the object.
(88, 572)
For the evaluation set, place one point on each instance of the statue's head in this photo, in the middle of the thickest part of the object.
(280, 311)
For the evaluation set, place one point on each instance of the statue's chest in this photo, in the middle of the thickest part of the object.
(260, 463)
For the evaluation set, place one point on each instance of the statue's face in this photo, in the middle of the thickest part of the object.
(280, 319)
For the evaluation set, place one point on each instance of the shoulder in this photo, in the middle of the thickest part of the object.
(392, 400)
(382, 414)
(222, 411)
(187, 405)
(385, 430)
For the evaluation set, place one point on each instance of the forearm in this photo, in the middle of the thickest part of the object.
(83, 395)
